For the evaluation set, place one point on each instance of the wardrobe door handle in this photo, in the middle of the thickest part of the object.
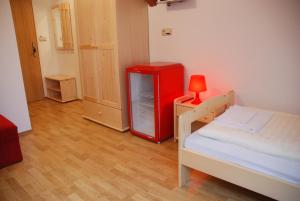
(34, 50)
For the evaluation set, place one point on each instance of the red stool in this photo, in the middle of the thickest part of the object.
(10, 151)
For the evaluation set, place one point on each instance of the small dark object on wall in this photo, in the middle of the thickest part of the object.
(152, 2)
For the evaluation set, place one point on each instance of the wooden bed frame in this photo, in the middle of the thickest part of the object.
(273, 187)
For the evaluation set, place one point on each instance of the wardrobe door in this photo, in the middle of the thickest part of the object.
(86, 18)
(108, 77)
(89, 65)
(106, 30)
(109, 91)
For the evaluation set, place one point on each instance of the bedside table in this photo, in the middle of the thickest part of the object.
(183, 104)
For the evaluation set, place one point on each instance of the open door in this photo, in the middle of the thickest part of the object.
(28, 51)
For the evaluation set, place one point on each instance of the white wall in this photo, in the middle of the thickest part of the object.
(252, 47)
(55, 61)
(13, 104)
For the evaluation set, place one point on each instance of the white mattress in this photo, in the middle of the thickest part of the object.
(283, 168)
(280, 136)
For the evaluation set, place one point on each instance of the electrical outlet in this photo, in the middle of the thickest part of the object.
(166, 32)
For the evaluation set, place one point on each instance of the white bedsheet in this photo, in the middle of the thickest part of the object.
(279, 137)
(283, 168)
(247, 119)
(237, 114)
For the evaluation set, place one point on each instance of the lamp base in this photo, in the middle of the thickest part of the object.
(196, 100)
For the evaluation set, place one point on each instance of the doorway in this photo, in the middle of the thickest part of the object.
(22, 12)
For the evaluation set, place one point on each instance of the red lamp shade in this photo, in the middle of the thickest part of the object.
(197, 84)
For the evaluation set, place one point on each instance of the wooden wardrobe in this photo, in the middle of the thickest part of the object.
(112, 35)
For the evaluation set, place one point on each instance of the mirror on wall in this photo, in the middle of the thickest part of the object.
(61, 18)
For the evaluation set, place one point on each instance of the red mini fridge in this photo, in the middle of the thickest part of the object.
(151, 89)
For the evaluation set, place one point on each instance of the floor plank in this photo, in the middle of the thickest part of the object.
(69, 158)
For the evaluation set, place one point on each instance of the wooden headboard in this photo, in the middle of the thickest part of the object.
(213, 106)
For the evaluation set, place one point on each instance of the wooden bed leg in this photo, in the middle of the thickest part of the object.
(183, 175)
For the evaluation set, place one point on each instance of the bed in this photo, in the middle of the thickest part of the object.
(253, 162)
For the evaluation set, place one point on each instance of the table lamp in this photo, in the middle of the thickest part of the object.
(197, 84)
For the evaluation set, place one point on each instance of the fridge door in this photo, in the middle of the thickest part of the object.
(142, 103)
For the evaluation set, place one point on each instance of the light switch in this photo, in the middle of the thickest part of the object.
(166, 31)
(42, 38)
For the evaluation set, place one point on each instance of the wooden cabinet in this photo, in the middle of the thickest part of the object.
(61, 88)
(111, 36)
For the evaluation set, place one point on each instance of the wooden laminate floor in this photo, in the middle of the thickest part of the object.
(69, 158)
